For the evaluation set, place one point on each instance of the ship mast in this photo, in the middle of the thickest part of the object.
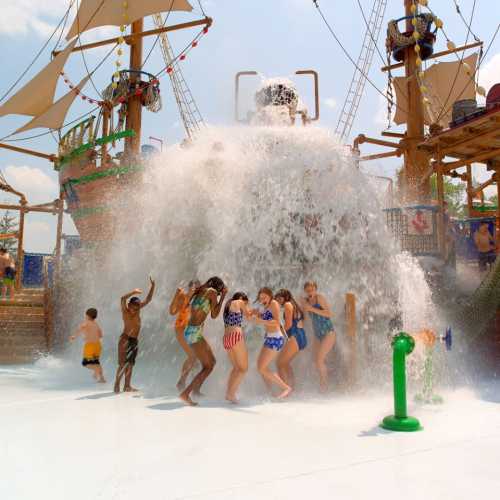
(134, 114)
(415, 162)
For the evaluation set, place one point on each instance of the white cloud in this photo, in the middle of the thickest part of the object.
(21, 17)
(489, 73)
(36, 185)
(330, 102)
(39, 235)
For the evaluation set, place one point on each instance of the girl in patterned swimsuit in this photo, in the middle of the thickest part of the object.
(294, 327)
(206, 299)
(320, 313)
(273, 341)
(234, 342)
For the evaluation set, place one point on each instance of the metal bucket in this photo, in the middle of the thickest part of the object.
(463, 108)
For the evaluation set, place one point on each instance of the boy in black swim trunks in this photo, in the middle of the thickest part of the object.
(128, 343)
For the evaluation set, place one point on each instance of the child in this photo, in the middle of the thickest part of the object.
(92, 335)
(128, 343)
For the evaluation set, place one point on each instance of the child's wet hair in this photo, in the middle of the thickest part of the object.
(307, 284)
(216, 283)
(91, 313)
(266, 291)
(236, 296)
(134, 300)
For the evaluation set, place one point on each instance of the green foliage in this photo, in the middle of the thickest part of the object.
(494, 199)
(8, 224)
(454, 195)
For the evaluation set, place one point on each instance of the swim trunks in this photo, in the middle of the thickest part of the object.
(91, 353)
(127, 350)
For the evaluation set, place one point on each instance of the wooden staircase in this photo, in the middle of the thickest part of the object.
(24, 326)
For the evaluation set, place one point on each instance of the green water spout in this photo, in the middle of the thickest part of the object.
(402, 345)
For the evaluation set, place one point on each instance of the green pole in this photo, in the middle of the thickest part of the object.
(402, 345)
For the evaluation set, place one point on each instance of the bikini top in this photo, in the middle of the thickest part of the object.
(201, 302)
(233, 318)
(266, 315)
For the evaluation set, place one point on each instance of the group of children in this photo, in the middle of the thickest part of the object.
(281, 316)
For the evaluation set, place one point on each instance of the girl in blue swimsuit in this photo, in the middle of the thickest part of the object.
(320, 314)
(274, 340)
(294, 327)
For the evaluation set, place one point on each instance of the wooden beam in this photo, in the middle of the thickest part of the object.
(484, 185)
(393, 134)
(437, 54)
(361, 139)
(17, 149)
(487, 155)
(129, 39)
(465, 142)
(27, 208)
(398, 152)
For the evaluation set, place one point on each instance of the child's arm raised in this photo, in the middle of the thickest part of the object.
(150, 293)
(123, 300)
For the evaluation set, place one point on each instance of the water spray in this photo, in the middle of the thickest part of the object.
(402, 345)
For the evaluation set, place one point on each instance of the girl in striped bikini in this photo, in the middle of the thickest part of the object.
(234, 341)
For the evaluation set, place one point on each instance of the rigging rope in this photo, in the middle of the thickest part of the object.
(353, 62)
(158, 36)
(458, 68)
(80, 41)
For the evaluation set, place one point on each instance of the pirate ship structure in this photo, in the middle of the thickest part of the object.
(97, 185)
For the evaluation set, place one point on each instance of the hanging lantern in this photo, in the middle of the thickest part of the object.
(450, 45)
(467, 68)
(424, 3)
(481, 91)
(418, 62)
(416, 35)
(438, 22)
(183, 56)
(416, 47)
(413, 8)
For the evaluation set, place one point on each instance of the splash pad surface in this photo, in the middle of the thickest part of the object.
(99, 445)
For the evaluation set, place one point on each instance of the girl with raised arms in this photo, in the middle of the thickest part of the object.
(206, 299)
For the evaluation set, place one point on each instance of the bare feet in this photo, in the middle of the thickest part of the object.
(232, 399)
(101, 381)
(181, 385)
(198, 393)
(187, 399)
(130, 389)
(285, 393)
(117, 388)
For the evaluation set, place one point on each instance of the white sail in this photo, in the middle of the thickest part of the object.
(446, 82)
(54, 116)
(95, 13)
(38, 94)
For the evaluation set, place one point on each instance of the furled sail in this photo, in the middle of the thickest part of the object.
(54, 116)
(38, 94)
(446, 82)
(95, 13)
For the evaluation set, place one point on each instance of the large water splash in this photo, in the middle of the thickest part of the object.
(258, 206)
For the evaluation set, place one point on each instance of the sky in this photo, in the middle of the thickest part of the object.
(273, 37)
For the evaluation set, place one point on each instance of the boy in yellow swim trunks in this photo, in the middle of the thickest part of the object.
(92, 334)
